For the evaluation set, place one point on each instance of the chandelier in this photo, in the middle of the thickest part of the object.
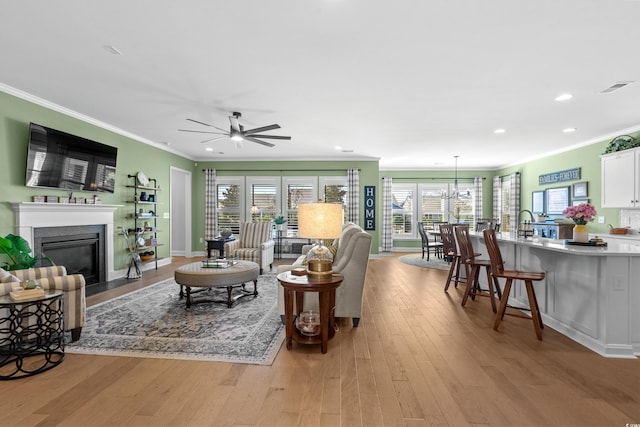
(456, 193)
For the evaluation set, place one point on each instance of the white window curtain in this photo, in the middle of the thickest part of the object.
(514, 202)
(477, 198)
(210, 204)
(353, 196)
(497, 198)
(387, 214)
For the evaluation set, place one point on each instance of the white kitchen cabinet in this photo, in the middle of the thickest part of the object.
(621, 179)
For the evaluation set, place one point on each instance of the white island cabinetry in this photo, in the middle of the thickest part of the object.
(590, 294)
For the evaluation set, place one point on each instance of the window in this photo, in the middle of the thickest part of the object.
(402, 213)
(263, 199)
(229, 195)
(461, 210)
(298, 191)
(335, 190)
(432, 205)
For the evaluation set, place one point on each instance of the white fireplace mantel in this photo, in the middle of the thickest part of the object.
(31, 215)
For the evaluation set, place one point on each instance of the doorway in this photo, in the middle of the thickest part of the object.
(180, 212)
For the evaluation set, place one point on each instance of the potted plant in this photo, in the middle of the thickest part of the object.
(542, 217)
(16, 253)
(279, 222)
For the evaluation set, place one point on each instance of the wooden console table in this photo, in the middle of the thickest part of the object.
(295, 287)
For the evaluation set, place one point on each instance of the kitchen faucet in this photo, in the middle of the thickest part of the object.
(525, 229)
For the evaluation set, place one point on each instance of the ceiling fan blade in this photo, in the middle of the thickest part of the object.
(212, 139)
(203, 131)
(206, 124)
(235, 125)
(261, 129)
(270, 136)
(257, 141)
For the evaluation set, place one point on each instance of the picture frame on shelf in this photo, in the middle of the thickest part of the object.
(580, 190)
(576, 202)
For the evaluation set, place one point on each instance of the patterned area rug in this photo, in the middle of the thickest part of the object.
(153, 322)
(416, 259)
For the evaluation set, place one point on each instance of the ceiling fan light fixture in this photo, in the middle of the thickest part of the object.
(564, 97)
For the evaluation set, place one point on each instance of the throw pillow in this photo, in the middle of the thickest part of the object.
(6, 277)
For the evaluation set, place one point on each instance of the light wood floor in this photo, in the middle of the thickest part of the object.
(418, 358)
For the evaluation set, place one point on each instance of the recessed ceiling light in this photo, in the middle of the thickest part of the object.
(499, 131)
(338, 147)
(208, 149)
(564, 97)
(568, 130)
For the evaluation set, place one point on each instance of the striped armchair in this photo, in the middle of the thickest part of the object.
(254, 244)
(55, 278)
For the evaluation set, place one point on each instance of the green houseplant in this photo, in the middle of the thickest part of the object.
(15, 253)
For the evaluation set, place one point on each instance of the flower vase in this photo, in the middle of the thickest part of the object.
(580, 233)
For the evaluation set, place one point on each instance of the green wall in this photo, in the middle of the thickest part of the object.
(586, 158)
(133, 156)
(368, 176)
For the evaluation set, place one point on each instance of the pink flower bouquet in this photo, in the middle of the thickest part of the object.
(580, 214)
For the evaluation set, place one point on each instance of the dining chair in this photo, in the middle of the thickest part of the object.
(473, 264)
(451, 254)
(429, 246)
(498, 271)
(484, 223)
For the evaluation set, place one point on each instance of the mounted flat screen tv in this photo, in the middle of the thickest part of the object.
(57, 159)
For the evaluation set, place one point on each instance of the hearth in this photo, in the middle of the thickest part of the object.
(81, 249)
(31, 216)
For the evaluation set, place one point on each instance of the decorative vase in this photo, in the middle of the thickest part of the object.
(580, 233)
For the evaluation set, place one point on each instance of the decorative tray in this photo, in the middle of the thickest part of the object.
(589, 243)
(218, 263)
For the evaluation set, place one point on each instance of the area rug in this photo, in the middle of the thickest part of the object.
(153, 322)
(416, 259)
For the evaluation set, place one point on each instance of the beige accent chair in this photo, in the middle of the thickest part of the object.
(55, 279)
(351, 261)
(253, 244)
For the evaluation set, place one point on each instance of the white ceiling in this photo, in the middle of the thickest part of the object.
(411, 82)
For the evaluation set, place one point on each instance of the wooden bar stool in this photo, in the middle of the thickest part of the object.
(451, 254)
(497, 270)
(472, 268)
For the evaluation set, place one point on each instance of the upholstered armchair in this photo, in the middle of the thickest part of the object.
(351, 261)
(253, 244)
(55, 279)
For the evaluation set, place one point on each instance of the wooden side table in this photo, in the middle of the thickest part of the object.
(295, 287)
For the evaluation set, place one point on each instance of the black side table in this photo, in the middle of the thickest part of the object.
(31, 335)
(217, 244)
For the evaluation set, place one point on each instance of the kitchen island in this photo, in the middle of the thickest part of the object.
(590, 294)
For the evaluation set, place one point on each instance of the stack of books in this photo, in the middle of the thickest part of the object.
(18, 293)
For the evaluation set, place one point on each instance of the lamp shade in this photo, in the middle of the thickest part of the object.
(320, 220)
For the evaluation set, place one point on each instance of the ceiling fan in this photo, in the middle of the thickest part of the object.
(237, 133)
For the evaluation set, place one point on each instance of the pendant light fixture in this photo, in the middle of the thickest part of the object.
(455, 193)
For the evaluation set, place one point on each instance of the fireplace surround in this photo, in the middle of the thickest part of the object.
(31, 216)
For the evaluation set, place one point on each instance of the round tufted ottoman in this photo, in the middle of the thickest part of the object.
(194, 275)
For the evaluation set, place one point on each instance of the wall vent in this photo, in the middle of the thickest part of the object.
(616, 86)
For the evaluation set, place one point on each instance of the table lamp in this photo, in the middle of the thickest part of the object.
(319, 221)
